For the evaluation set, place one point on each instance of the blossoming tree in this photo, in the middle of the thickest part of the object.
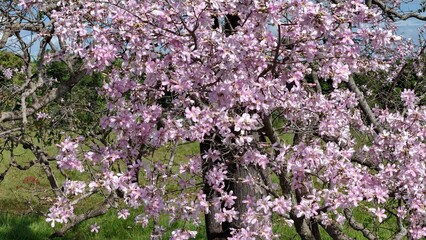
(239, 77)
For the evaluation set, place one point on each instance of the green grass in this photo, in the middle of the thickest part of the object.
(23, 227)
(33, 227)
(20, 199)
(23, 193)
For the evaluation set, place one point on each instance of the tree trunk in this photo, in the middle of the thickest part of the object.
(236, 174)
(213, 228)
(242, 190)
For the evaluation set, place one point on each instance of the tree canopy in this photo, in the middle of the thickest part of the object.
(240, 78)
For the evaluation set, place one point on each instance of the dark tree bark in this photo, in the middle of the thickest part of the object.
(217, 231)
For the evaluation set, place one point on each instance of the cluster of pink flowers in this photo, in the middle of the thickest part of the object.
(68, 155)
(42, 115)
(7, 73)
(60, 212)
(74, 187)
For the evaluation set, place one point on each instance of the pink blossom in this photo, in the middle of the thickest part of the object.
(94, 228)
(123, 213)
(246, 122)
(216, 176)
(74, 187)
(42, 115)
(380, 213)
(281, 206)
(227, 215)
(228, 199)
(8, 73)
(408, 97)
(60, 212)
(183, 235)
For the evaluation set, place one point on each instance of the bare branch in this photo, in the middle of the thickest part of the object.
(6, 132)
(4, 38)
(334, 231)
(41, 102)
(402, 231)
(358, 226)
(3, 174)
(84, 196)
(172, 157)
(101, 210)
(393, 13)
(364, 104)
(23, 168)
(316, 81)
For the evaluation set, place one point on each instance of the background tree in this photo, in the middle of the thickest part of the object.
(44, 94)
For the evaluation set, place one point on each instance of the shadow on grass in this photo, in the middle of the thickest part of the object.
(22, 227)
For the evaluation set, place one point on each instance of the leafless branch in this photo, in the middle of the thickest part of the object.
(41, 102)
(98, 211)
(391, 12)
(365, 107)
(358, 226)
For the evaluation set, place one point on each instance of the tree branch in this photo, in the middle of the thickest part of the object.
(54, 94)
(393, 13)
(358, 226)
(75, 220)
(364, 104)
(334, 231)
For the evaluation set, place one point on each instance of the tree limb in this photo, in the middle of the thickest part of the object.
(54, 94)
(75, 220)
(334, 231)
(364, 104)
(393, 13)
(358, 226)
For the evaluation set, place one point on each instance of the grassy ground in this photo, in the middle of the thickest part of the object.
(33, 227)
(25, 193)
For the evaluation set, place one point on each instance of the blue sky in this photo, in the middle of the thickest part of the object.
(409, 28)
